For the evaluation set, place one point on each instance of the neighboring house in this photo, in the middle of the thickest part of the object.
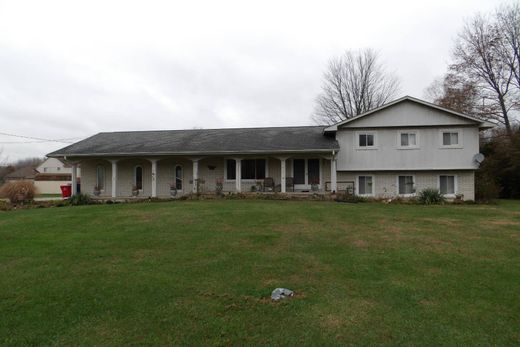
(51, 174)
(25, 173)
(396, 150)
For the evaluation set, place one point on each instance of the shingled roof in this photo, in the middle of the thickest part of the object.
(203, 141)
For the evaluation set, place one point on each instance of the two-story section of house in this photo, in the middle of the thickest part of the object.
(406, 146)
(395, 150)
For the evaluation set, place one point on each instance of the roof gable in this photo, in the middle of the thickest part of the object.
(408, 111)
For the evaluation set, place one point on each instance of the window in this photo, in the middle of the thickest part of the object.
(447, 185)
(365, 186)
(366, 140)
(231, 172)
(251, 169)
(408, 139)
(138, 177)
(406, 185)
(451, 138)
(100, 177)
(178, 177)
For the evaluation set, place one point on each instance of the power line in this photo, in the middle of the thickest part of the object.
(38, 139)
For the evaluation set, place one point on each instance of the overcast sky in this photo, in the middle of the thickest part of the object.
(71, 69)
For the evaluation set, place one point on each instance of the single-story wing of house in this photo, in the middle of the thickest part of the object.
(395, 150)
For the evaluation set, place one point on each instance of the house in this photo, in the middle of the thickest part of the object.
(395, 150)
(51, 174)
(24, 173)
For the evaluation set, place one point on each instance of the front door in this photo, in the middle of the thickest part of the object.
(306, 172)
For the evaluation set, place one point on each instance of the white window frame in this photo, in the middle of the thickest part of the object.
(417, 143)
(373, 185)
(414, 185)
(174, 176)
(104, 177)
(363, 148)
(460, 138)
(243, 179)
(135, 176)
(455, 185)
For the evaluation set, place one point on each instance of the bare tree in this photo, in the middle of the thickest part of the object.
(478, 58)
(354, 83)
(453, 93)
(508, 23)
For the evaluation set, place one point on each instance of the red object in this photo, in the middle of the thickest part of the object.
(66, 190)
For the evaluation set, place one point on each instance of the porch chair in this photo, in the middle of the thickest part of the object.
(289, 184)
(268, 184)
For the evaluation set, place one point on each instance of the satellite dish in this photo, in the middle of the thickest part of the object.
(478, 158)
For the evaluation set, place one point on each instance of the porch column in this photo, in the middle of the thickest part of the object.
(74, 178)
(114, 178)
(283, 174)
(238, 174)
(154, 177)
(333, 177)
(195, 174)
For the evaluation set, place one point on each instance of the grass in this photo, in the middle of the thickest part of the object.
(201, 272)
(47, 196)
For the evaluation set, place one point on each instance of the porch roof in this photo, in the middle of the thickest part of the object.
(203, 142)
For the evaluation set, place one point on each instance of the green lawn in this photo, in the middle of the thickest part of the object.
(201, 273)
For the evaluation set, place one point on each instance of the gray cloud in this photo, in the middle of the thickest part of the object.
(70, 71)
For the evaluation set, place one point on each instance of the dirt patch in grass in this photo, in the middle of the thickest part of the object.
(503, 222)
(360, 243)
(443, 221)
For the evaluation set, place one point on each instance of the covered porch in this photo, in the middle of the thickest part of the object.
(171, 176)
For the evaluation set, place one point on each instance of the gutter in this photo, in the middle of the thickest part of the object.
(126, 154)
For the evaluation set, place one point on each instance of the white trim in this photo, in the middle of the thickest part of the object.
(358, 185)
(238, 153)
(411, 131)
(365, 148)
(455, 185)
(414, 185)
(175, 176)
(460, 137)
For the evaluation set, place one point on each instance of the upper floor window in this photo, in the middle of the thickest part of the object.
(451, 138)
(366, 140)
(408, 139)
(406, 185)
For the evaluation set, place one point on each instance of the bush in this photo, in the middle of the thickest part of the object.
(486, 189)
(350, 198)
(80, 199)
(18, 192)
(430, 196)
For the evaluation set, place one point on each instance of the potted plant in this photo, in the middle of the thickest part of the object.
(173, 190)
(315, 185)
(97, 191)
(219, 186)
(135, 191)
